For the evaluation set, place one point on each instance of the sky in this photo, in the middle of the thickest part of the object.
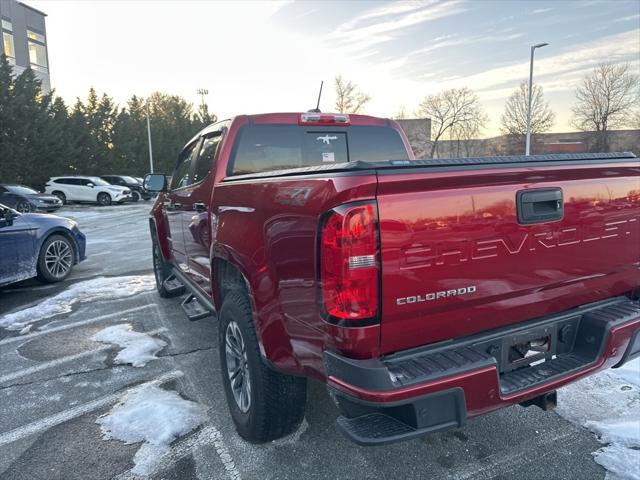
(256, 57)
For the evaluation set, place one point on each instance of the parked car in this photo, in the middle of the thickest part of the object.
(422, 292)
(25, 199)
(86, 189)
(36, 245)
(137, 190)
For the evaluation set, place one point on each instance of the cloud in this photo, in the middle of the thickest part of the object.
(360, 32)
(541, 10)
(628, 18)
(571, 63)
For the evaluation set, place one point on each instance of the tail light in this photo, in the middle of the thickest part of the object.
(349, 265)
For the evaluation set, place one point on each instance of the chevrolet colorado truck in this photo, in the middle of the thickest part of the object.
(422, 292)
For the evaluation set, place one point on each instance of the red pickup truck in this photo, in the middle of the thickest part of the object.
(422, 292)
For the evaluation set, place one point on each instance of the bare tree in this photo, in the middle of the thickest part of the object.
(605, 101)
(514, 119)
(401, 114)
(451, 109)
(348, 98)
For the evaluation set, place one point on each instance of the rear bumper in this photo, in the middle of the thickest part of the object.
(436, 388)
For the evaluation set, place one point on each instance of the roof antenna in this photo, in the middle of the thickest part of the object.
(317, 109)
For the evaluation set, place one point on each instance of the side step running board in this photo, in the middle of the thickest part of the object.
(194, 309)
(173, 286)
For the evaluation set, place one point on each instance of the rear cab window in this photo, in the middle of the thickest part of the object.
(270, 147)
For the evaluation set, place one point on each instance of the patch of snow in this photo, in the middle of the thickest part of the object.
(621, 463)
(26, 329)
(608, 404)
(154, 416)
(88, 291)
(138, 348)
(630, 372)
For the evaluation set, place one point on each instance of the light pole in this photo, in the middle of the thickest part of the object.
(528, 147)
(149, 137)
(202, 92)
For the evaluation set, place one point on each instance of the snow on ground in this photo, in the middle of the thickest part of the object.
(138, 348)
(154, 416)
(608, 404)
(96, 289)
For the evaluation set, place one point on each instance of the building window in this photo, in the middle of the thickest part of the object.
(37, 51)
(7, 40)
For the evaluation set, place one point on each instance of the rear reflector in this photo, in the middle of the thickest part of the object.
(323, 119)
(349, 264)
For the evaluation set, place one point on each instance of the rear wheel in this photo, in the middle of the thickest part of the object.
(104, 199)
(264, 404)
(61, 196)
(24, 207)
(56, 259)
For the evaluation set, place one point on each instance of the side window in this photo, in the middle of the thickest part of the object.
(180, 176)
(3, 190)
(206, 156)
(83, 182)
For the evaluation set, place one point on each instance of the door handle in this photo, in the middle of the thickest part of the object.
(539, 205)
(199, 207)
(176, 206)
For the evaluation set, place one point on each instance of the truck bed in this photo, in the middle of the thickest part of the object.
(456, 259)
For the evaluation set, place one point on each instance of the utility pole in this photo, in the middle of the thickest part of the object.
(149, 137)
(202, 92)
(528, 146)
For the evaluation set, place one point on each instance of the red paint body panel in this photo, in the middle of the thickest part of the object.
(450, 230)
(440, 230)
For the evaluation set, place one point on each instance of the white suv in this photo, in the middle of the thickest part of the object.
(86, 189)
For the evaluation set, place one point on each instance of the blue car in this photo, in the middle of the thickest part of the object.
(25, 199)
(38, 245)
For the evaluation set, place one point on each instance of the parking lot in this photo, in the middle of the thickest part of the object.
(56, 382)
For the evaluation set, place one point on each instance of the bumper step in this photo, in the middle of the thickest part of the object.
(375, 429)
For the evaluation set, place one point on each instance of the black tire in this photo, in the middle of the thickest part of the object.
(24, 207)
(277, 401)
(61, 196)
(104, 199)
(135, 196)
(55, 245)
(161, 271)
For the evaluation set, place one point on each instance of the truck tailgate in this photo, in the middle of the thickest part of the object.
(457, 260)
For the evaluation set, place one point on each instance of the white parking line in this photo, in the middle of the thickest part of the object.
(52, 363)
(66, 415)
(68, 358)
(209, 435)
(25, 338)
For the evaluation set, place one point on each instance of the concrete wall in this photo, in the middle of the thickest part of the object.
(22, 17)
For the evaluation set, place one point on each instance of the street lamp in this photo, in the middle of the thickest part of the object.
(149, 137)
(202, 92)
(528, 147)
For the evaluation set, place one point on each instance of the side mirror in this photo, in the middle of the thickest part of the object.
(8, 217)
(155, 182)
(90, 185)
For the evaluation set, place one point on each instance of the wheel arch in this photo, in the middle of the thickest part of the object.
(154, 231)
(273, 339)
(63, 232)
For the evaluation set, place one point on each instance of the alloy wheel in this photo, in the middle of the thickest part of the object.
(238, 366)
(58, 258)
(24, 207)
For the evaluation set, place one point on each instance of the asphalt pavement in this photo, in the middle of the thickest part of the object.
(55, 382)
